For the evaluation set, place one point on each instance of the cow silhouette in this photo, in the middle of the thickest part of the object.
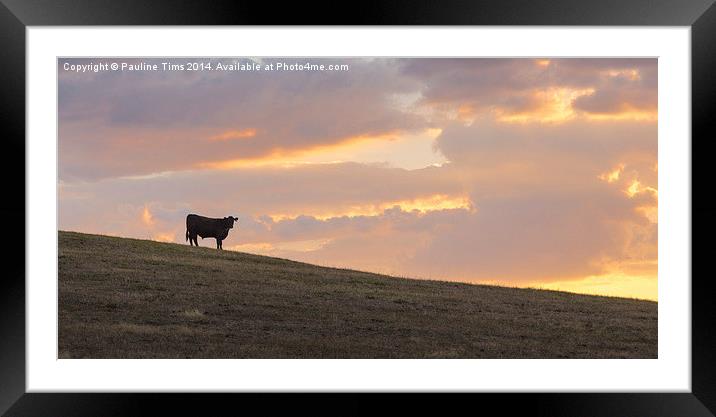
(207, 227)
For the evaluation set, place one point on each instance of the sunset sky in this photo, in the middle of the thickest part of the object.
(520, 172)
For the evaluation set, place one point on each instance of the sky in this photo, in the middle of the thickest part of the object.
(536, 173)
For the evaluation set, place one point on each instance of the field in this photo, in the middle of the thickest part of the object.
(127, 298)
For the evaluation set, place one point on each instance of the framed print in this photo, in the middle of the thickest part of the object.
(500, 207)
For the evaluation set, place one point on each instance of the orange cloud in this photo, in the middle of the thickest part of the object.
(631, 74)
(637, 187)
(650, 212)
(557, 105)
(289, 158)
(235, 134)
(267, 248)
(408, 150)
(421, 205)
(164, 236)
(612, 175)
(466, 113)
(551, 105)
(147, 217)
(633, 189)
(624, 115)
(151, 223)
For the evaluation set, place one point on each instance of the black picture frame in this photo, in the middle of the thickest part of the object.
(16, 15)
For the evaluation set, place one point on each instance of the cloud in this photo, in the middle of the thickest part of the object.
(515, 204)
(544, 235)
(140, 123)
(172, 117)
(235, 134)
(147, 217)
(543, 209)
(306, 189)
(540, 90)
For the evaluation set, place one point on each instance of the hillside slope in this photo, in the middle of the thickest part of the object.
(127, 298)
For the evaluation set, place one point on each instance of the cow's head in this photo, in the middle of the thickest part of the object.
(229, 221)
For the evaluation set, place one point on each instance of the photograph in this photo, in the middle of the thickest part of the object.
(357, 207)
(497, 199)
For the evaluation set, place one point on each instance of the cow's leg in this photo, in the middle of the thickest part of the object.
(196, 242)
(218, 243)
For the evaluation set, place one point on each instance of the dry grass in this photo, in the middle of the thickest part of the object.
(126, 298)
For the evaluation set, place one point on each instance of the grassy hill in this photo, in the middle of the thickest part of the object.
(127, 298)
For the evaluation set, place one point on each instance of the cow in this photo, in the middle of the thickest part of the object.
(207, 227)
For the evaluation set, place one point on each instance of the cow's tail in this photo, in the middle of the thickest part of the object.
(187, 235)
